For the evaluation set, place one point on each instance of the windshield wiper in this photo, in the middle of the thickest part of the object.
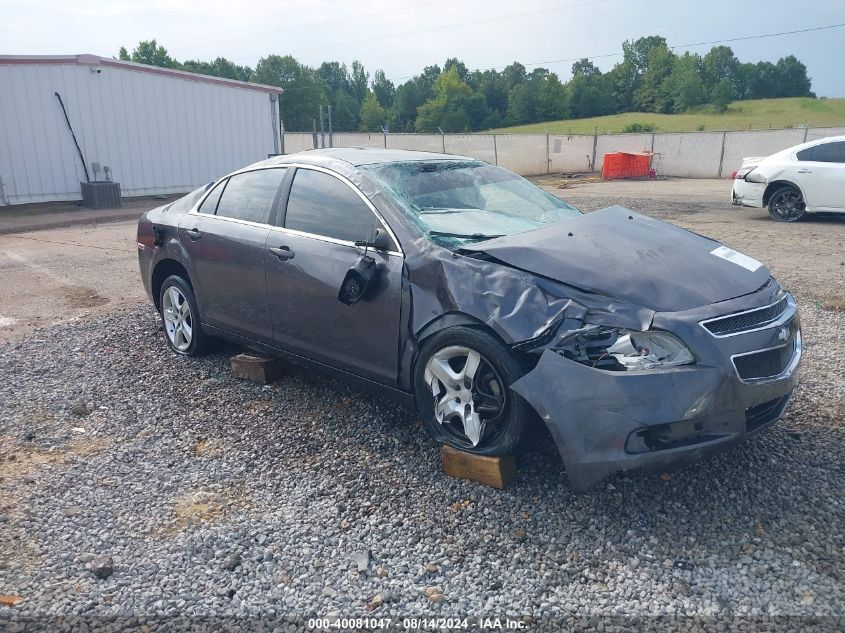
(464, 236)
(438, 210)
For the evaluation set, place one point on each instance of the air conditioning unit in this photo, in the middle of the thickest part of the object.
(100, 194)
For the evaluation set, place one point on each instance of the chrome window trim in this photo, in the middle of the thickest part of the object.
(785, 316)
(223, 218)
(329, 240)
(790, 368)
(280, 229)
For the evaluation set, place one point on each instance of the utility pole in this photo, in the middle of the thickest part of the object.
(722, 154)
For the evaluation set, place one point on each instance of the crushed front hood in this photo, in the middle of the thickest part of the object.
(627, 255)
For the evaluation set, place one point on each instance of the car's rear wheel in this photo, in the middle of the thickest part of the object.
(461, 384)
(180, 317)
(786, 204)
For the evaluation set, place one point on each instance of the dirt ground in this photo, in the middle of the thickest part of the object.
(65, 274)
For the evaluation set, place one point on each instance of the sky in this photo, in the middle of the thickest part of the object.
(403, 36)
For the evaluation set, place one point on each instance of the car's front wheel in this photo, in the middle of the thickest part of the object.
(180, 317)
(786, 204)
(461, 385)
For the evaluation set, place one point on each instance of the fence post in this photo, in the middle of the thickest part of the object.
(652, 141)
(495, 151)
(722, 155)
(442, 139)
(322, 129)
(314, 133)
(595, 145)
(331, 136)
(282, 134)
(806, 129)
(384, 133)
(548, 156)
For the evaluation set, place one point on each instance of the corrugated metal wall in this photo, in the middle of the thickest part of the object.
(158, 134)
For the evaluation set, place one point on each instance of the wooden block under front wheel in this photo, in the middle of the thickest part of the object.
(497, 472)
(258, 369)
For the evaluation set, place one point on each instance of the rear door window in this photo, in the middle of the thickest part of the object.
(824, 153)
(250, 196)
(321, 204)
(829, 153)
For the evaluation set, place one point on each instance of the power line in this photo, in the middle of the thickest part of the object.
(758, 37)
(310, 25)
(604, 55)
(453, 26)
(677, 46)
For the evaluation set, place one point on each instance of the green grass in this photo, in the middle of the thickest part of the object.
(741, 115)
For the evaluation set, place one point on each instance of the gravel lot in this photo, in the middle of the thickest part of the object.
(218, 497)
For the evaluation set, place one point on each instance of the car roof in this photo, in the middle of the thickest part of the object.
(818, 141)
(357, 156)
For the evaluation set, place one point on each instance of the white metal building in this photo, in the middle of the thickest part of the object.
(157, 130)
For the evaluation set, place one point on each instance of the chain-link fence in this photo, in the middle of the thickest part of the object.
(682, 155)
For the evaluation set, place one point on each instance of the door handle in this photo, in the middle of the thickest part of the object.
(805, 171)
(282, 252)
(194, 234)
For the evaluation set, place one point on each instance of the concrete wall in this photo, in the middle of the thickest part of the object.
(158, 133)
(687, 155)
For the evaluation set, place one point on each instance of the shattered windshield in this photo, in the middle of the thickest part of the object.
(454, 202)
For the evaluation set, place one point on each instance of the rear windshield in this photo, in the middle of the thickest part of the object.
(186, 202)
(457, 202)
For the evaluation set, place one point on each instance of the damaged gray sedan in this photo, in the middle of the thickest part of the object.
(465, 291)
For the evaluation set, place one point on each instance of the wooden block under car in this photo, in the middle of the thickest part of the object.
(258, 369)
(497, 472)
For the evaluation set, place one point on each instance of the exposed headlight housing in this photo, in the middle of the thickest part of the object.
(616, 349)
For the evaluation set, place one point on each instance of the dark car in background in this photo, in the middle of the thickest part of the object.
(463, 290)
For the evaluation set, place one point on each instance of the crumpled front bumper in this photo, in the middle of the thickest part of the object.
(604, 421)
(747, 194)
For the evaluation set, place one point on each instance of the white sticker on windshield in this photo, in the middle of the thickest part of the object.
(737, 258)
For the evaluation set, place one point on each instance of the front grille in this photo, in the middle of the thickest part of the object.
(766, 364)
(762, 414)
(744, 321)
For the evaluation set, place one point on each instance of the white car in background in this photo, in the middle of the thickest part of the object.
(807, 178)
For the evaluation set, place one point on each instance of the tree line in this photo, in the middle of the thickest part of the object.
(649, 78)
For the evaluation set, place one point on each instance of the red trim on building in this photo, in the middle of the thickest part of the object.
(95, 60)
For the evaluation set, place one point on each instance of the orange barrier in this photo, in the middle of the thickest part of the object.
(625, 165)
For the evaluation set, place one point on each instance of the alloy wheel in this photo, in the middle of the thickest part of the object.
(469, 396)
(178, 321)
(787, 205)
